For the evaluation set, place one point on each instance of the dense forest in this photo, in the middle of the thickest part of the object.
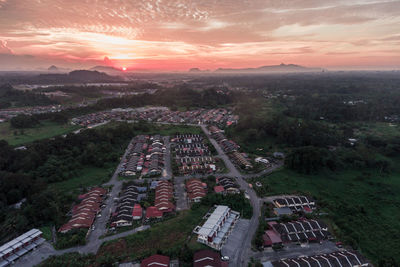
(10, 97)
(28, 174)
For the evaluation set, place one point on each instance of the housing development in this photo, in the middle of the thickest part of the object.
(160, 177)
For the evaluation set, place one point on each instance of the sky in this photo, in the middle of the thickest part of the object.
(207, 34)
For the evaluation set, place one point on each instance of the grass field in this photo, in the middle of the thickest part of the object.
(167, 238)
(88, 177)
(379, 129)
(46, 232)
(45, 130)
(363, 206)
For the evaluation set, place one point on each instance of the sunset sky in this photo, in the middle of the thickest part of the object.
(181, 34)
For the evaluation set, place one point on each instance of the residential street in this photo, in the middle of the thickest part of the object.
(240, 256)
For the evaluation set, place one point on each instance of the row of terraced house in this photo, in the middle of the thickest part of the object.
(218, 116)
(192, 154)
(84, 213)
(230, 147)
(145, 156)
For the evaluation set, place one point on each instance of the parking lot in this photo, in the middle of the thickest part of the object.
(235, 240)
(294, 250)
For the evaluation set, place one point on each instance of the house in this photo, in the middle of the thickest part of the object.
(229, 184)
(217, 227)
(285, 211)
(196, 190)
(84, 213)
(219, 189)
(262, 160)
(296, 203)
(153, 213)
(128, 209)
(338, 258)
(271, 238)
(137, 212)
(164, 194)
(155, 261)
(208, 258)
(240, 160)
(302, 231)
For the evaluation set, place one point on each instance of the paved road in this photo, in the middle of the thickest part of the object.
(241, 257)
(180, 193)
(94, 242)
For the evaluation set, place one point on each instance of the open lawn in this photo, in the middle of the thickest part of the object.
(167, 238)
(383, 130)
(46, 129)
(87, 177)
(46, 232)
(363, 206)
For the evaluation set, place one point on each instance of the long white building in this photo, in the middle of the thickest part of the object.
(11, 251)
(217, 227)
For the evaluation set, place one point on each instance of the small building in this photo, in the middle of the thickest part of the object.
(219, 189)
(153, 213)
(217, 227)
(285, 211)
(196, 190)
(14, 249)
(262, 160)
(271, 238)
(155, 261)
(137, 212)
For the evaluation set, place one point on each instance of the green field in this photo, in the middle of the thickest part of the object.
(46, 129)
(86, 177)
(167, 238)
(363, 206)
(379, 129)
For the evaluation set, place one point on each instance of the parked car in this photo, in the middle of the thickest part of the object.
(225, 258)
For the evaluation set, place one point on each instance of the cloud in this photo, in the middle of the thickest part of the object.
(4, 49)
(225, 31)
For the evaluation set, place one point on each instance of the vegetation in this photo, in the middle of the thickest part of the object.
(46, 129)
(9, 97)
(69, 259)
(168, 238)
(71, 239)
(361, 204)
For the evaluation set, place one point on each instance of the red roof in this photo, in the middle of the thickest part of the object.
(271, 237)
(219, 189)
(153, 212)
(155, 261)
(137, 211)
(205, 258)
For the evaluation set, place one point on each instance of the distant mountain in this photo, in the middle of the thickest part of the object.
(274, 68)
(197, 70)
(52, 68)
(76, 76)
(106, 69)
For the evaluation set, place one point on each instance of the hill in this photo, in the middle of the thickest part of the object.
(273, 68)
(77, 76)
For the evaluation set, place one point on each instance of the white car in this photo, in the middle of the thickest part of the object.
(225, 258)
